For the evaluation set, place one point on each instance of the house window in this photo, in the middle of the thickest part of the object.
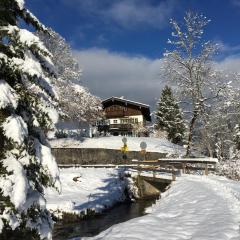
(136, 120)
(114, 121)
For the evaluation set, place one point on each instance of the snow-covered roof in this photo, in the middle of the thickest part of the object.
(121, 99)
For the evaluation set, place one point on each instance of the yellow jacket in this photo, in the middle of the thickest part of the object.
(124, 148)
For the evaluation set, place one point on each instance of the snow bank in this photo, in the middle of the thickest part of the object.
(153, 144)
(86, 188)
(195, 207)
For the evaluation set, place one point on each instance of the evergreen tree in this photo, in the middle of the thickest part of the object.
(27, 113)
(169, 117)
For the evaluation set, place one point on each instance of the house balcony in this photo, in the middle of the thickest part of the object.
(116, 127)
(121, 127)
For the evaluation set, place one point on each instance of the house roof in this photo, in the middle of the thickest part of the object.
(126, 101)
(144, 107)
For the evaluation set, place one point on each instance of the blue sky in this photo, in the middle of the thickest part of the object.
(121, 42)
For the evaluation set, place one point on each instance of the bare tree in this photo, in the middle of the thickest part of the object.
(76, 102)
(224, 117)
(189, 66)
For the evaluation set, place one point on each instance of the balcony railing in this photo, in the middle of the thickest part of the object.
(121, 126)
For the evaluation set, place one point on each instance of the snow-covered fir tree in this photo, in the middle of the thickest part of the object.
(27, 113)
(169, 116)
(76, 102)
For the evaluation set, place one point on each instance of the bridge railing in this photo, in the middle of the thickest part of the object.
(175, 166)
(158, 169)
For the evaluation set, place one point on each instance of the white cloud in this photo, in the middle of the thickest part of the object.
(138, 78)
(130, 13)
(230, 63)
(109, 74)
(228, 49)
(236, 2)
(127, 13)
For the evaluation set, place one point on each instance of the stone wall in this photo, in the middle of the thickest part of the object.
(99, 156)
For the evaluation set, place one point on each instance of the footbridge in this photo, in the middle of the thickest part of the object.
(154, 176)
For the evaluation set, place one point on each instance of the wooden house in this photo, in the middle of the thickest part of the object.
(123, 117)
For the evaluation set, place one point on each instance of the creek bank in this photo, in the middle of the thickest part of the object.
(86, 191)
(92, 225)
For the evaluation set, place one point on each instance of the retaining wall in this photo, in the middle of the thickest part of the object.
(99, 156)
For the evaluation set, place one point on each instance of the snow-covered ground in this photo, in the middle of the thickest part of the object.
(86, 188)
(195, 207)
(112, 142)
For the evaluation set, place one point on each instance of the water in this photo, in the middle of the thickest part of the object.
(93, 226)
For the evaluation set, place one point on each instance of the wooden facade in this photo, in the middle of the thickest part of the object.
(123, 116)
(121, 111)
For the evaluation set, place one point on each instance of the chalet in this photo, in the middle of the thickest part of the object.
(123, 117)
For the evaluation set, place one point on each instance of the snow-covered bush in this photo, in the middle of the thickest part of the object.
(230, 169)
(27, 114)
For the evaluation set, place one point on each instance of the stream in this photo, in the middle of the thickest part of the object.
(92, 226)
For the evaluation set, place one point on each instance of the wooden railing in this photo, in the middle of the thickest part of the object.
(176, 166)
(155, 169)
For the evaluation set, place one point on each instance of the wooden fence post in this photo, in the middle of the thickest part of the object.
(154, 173)
(206, 169)
(184, 167)
(173, 174)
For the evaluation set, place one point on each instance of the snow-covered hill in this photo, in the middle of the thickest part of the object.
(153, 144)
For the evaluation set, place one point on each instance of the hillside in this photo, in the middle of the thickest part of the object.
(153, 144)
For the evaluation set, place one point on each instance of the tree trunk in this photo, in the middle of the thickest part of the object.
(190, 135)
(210, 152)
(207, 143)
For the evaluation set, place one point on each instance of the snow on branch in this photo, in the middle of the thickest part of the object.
(32, 42)
(8, 97)
(20, 4)
(15, 185)
(48, 162)
(15, 129)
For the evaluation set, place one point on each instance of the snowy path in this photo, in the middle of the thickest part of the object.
(196, 208)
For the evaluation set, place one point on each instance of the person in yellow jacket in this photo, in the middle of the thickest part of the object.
(124, 150)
